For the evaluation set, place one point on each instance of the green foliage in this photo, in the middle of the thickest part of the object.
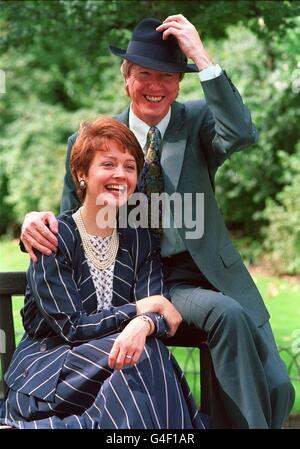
(89, 25)
(269, 90)
(250, 249)
(33, 158)
(59, 71)
(283, 214)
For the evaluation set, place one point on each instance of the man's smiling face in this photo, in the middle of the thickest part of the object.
(151, 92)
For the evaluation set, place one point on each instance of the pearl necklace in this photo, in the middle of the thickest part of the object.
(100, 261)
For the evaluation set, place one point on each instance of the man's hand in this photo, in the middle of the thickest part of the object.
(129, 345)
(35, 233)
(188, 39)
(159, 304)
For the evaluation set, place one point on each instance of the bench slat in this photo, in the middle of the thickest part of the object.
(12, 283)
(6, 324)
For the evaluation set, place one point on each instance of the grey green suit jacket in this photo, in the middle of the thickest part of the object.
(202, 135)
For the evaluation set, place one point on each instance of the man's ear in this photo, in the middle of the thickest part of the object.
(126, 88)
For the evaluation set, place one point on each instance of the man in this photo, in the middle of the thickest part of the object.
(208, 282)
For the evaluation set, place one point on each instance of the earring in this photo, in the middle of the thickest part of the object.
(82, 184)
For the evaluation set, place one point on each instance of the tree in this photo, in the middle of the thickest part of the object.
(59, 72)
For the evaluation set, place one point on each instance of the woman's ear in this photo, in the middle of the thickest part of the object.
(81, 178)
(80, 175)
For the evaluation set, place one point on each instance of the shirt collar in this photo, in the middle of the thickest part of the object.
(140, 128)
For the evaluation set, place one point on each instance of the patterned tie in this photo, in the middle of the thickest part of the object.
(151, 180)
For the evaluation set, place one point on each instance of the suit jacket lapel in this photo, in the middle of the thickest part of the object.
(174, 147)
(123, 272)
(86, 286)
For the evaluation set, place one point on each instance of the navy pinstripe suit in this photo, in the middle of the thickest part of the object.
(59, 375)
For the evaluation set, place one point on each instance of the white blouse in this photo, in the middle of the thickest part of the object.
(103, 279)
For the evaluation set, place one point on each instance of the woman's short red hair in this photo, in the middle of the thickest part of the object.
(94, 135)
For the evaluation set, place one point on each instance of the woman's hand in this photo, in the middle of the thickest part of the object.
(130, 344)
(159, 304)
(35, 233)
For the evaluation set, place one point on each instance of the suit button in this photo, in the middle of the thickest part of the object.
(43, 347)
(25, 373)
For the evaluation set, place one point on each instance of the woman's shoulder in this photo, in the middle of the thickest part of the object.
(67, 229)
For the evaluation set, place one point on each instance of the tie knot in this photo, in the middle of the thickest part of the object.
(154, 135)
(153, 129)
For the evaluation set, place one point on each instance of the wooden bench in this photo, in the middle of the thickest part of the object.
(14, 283)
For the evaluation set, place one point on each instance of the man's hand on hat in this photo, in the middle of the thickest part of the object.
(188, 39)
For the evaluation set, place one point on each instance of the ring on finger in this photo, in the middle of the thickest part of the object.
(128, 356)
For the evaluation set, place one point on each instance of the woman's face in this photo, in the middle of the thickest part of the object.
(112, 176)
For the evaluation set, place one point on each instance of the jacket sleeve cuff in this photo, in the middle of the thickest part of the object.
(161, 328)
(210, 72)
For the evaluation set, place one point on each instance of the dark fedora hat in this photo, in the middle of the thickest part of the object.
(148, 49)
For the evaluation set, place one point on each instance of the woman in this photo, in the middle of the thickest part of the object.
(90, 356)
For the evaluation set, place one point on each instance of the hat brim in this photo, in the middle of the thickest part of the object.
(154, 64)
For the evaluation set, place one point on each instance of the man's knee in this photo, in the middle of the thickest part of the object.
(229, 312)
(232, 311)
(229, 323)
(208, 310)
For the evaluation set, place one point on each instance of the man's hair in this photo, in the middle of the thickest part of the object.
(95, 136)
(126, 67)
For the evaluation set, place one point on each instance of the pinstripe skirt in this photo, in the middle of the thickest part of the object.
(153, 394)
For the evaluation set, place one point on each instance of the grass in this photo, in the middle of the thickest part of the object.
(281, 295)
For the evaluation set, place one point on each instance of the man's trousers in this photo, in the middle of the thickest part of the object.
(253, 385)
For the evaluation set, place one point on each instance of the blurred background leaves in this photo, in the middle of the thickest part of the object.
(59, 72)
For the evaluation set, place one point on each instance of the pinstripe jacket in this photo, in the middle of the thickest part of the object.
(60, 308)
